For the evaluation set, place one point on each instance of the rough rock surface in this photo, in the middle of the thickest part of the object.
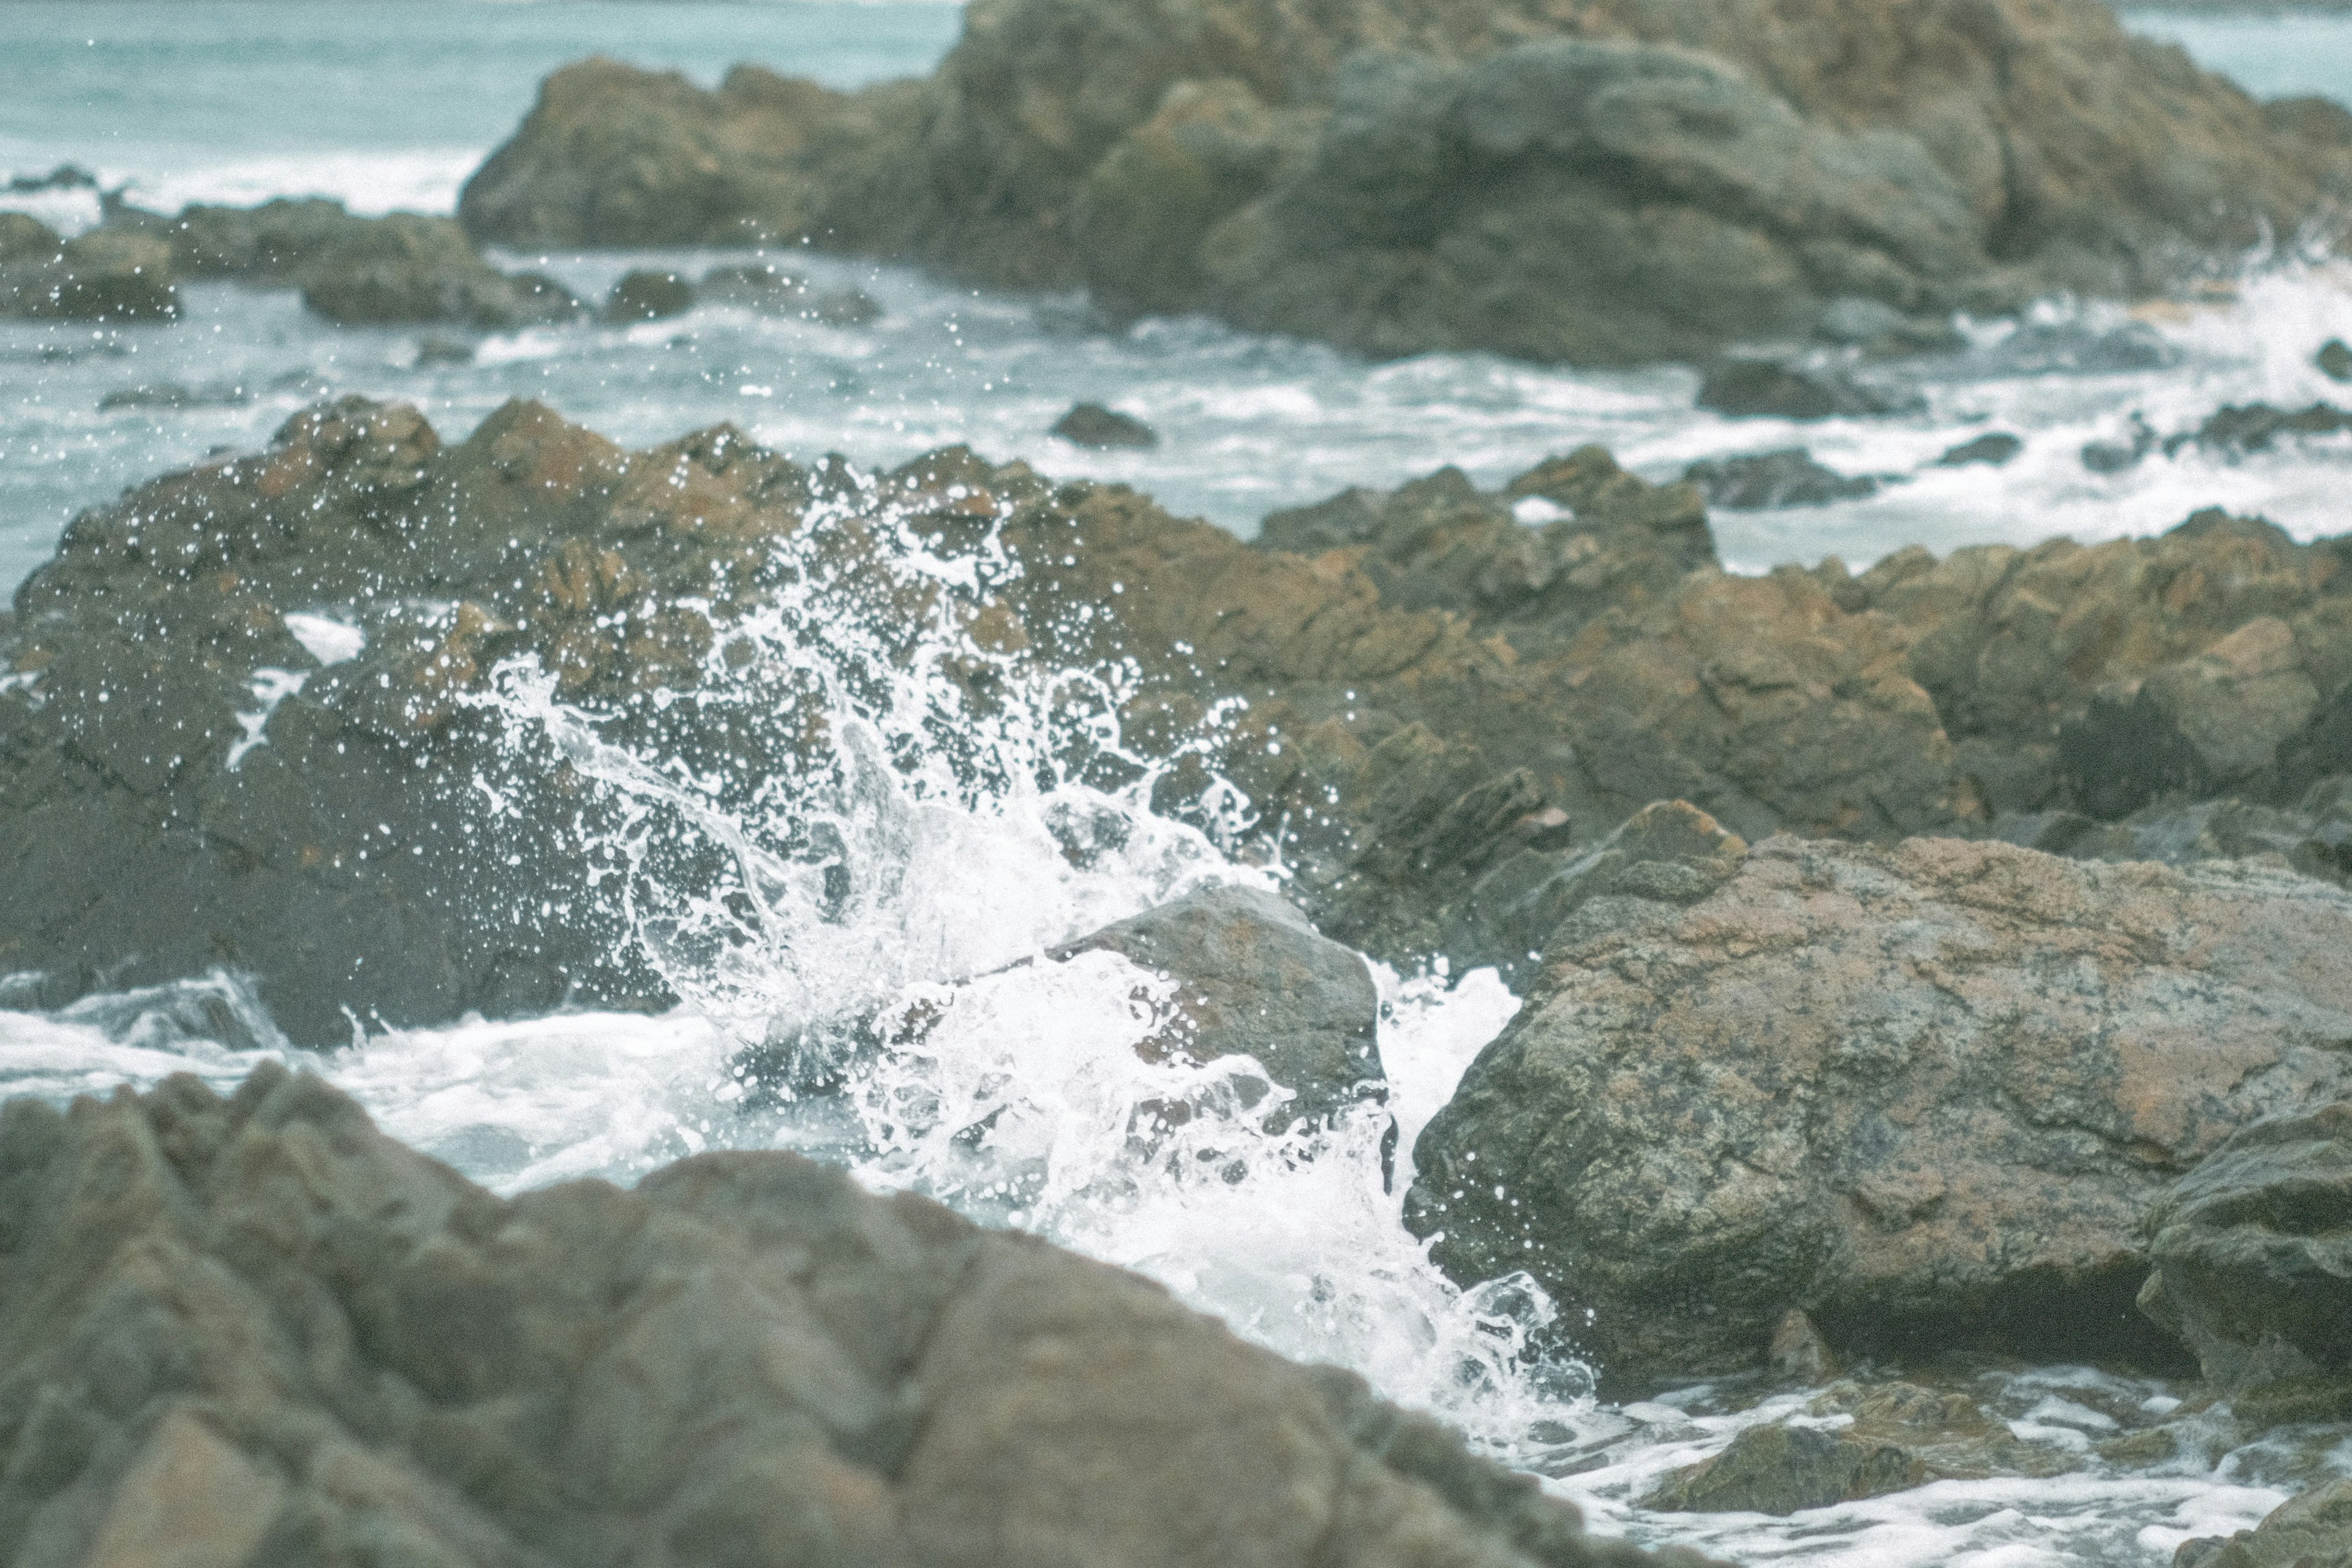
(256, 1329)
(1624, 181)
(1926, 1094)
(2252, 1266)
(1255, 979)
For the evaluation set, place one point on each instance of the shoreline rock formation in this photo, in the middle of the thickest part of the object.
(258, 1329)
(1630, 182)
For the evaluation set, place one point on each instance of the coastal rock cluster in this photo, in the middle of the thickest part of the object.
(228, 1332)
(1609, 185)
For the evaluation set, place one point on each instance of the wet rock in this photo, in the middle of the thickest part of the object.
(1255, 979)
(2249, 1251)
(2313, 835)
(2077, 347)
(433, 351)
(2312, 1530)
(1926, 1095)
(1994, 449)
(744, 1357)
(1781, 1470)
(1092, 424)
(101, 276)
(2116, 457)
(2335, 360)
(1794, 389)
(172, 395)
(1759, 481)
(2257, 426)
(648, 294)
(760, 285)
(844, 308)
(24, 237)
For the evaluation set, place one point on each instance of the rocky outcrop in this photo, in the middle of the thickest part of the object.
(96, 276)
(2249, 1253)
(401, 268)
(1928, 1095)
(256, 1330)
(1620, 183)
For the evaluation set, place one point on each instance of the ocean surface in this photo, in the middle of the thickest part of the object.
(1292, 1239)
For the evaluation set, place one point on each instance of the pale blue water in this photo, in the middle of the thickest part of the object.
(2272, 55)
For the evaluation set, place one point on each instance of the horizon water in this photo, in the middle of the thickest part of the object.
(1291, 1237)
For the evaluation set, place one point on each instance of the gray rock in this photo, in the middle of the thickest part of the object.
(1760, 482)
(1747, 388)
(1092, 424)
(648, 294)
(1255, 979)
(1782, 1469)
(2335, 360)
(101, 276)
(1995, 449)
(255, 1329)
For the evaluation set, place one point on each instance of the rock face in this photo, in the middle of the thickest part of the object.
(1633, 180)
(256, 1329)
(1928, 1095)
(2250, 1254)
(1255, 979)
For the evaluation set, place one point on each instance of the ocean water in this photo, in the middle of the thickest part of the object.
(1020, 1104)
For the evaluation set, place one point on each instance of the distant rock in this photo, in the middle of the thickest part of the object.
(1926, 1095)
(432, 351)
(101, 276)
(2077, 348)
(648, 294)
(1092, 424)
(843, 307)
(1747, 388)
(172, 395)
(258, 1328)
(2257, 426)
(1604, 184)
(1995, 449)
(1759, 481)
(1255, 979)
(2335, 360)
(758, 286)
(2116, 457)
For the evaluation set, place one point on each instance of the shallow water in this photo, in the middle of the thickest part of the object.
(1293, 1237)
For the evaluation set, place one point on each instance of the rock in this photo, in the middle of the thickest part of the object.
(2335, 360)
(2116, 457)
(1758, 481)
(396, 269)
(1781, 1470)
(2257, 426)
(101, 276)
(2311, 1531)
(1798, 1354)
(2249, 1251)
(648, 295)
(2313, 835)
(760, 286)
(24, 237)
(1994, 449)
(432, 351)
(1760, 388)
(2077, 347)
(255, 1328)
(1092, 424)
(1255, 979)
(172, 395)
(1607, 185)
(1926, 1094)
(844, 308)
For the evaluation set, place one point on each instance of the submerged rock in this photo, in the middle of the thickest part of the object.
(648, 294)
(1928, 1095)
(1994, 449)
(1092, 424)
(1758, 481)
(256, 1329)
(2335, 360)
(1795, 389)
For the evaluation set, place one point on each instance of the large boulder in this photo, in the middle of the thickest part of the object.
(258, 1329)
(1618, 182)
(1926, 1095)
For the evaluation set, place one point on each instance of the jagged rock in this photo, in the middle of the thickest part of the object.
(1994, 449)
(258, 1328)
(648, 294)
(1610, 184)
(2250, 1253)
(1758, 481)
(1255, 979)
(2335, 360)
(1928, 1095)
(1092, 424)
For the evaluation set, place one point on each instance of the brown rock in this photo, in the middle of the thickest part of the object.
(1926, 1094)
